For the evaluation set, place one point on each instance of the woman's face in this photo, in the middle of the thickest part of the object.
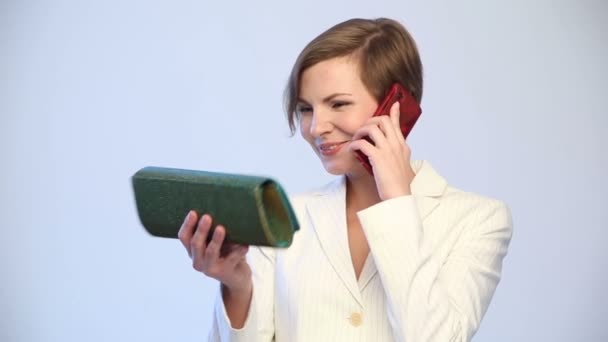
(332, 105)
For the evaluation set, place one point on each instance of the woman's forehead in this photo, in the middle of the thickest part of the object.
(336, 75)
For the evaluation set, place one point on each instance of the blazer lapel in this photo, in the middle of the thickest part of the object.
(427, 186)
(327, 212)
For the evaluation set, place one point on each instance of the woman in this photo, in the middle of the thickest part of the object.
(395, 256)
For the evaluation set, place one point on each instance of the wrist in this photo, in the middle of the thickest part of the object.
(403, 192)
(240, 291)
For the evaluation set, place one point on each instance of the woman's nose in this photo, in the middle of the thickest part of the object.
(320, 124)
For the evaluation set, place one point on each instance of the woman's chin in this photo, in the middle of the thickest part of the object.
(333, 171)
(339, 169)
(335, 168)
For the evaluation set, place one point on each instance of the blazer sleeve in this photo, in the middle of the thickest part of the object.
(259, 325)
(433, 298)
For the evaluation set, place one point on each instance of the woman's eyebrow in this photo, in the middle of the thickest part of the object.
(327, 98)
(332, 96)
(301, 101)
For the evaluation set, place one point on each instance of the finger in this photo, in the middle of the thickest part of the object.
(374, 132)
(198, 243)
(236, 255)
(387, 126)
(392, 118)
(395, 113)
(396, 119)
(212, 253)
(364, 146)
(187, 229)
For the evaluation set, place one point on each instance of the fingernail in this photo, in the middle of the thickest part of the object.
(189, 215)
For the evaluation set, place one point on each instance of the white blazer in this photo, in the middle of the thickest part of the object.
(435, 260)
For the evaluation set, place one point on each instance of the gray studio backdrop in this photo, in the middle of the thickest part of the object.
(90, 91)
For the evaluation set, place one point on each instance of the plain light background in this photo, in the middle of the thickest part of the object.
(515, 106)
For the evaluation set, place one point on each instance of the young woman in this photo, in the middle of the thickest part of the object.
(399, 255)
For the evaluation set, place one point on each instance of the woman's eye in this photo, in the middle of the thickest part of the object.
(304, 109)
(338, 105)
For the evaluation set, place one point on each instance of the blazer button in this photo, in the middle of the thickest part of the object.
(355, 319)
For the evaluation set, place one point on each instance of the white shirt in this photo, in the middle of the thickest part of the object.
(435, 261)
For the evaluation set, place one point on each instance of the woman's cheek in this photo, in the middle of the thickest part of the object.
(354, 123)
(352, 128)
(304, 127)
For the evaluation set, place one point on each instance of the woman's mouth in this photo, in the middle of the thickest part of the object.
(330, 149)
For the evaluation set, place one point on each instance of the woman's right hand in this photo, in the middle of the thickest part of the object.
(231, 269)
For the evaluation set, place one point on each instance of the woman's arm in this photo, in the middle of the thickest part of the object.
(244, 306)
(430, 298)
(243, 317)
(237, 303)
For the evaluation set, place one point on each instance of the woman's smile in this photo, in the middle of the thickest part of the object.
(330, 149)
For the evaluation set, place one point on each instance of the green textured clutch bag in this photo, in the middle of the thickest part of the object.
(254, 210)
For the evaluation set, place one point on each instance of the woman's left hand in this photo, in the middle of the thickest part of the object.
(390, 157)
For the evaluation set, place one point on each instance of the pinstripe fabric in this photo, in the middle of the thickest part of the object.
(435, 261)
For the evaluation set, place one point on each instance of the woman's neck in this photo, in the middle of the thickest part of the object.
(361, 192)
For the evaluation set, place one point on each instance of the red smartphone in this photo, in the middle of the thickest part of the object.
(409, 113)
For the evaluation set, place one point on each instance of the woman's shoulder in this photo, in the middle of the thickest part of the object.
(453, 205)
(429, 182)
(453, 210)
(469, 198)
(474, 210)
